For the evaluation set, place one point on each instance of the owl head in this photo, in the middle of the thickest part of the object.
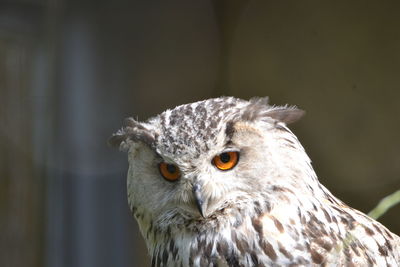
(199, 160)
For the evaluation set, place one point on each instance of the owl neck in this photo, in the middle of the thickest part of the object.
(296, 169)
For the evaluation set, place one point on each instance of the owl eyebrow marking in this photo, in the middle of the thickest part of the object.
(230, 129)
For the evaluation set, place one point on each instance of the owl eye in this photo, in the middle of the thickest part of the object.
(226, 161)
(169, 171)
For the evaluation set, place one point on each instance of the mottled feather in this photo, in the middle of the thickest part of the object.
(269, 210)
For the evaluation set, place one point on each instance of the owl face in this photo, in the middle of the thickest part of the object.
(198, 160)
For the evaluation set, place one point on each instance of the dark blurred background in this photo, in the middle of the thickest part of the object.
(70, 71)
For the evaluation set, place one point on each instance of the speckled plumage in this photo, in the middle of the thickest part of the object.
(269, 210)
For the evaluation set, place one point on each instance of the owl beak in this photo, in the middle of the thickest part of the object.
(200, 201)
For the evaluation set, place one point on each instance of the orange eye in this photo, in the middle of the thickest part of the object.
(226, 161)
(169, 171)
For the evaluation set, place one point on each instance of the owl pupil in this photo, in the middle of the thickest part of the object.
(225, 158)
(171, 168)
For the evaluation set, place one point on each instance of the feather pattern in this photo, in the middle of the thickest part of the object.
(269, 210)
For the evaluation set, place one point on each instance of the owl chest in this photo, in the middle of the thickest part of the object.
(196, 250)
(224, 247)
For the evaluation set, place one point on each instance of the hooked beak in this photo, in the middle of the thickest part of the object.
(201, 202)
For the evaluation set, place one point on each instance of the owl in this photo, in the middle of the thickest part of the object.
(224, 182)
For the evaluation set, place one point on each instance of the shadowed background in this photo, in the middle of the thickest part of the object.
(70, 71)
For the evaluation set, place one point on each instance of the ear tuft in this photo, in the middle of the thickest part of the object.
(131, 131)
(285, 114)
(262, 101)
(258, 108)
(255, 109)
